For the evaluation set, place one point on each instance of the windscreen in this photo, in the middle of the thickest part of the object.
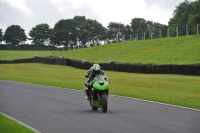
(99, 78)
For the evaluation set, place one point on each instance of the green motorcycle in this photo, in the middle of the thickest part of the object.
(99, 93)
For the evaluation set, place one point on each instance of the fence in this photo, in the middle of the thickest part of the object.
(132, 68)
(172, 31)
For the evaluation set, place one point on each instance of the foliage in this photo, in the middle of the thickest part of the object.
(186, 13)
(14, 35)
(1, 35)
(41, 34)
(68, 32)
(160, 30)
(143, 29)
(63, 29)
(117, 31)
(138, 26)
(194, 17)
(140, 29)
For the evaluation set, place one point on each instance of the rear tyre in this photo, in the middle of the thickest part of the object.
(104, 102)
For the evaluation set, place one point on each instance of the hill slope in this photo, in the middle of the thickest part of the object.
(173, 50)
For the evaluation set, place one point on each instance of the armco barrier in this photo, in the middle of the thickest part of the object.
(121, 67)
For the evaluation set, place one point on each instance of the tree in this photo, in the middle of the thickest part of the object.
(88, 30)
(194, 18)
(14, 35)
(81, 24)
(180, 18)
(69, 31)
(117, 31)
(64, 32)
(138, 26)
(1, 35)
(127, 32)
(150, 29)
(160, 30)
(112, 31)
(95, 31)
(41, 34)
(143, 29)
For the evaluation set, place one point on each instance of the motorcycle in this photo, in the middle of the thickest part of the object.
(99, 93)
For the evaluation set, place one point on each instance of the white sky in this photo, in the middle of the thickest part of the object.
(29, 13)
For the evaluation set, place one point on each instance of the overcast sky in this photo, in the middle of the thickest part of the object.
(29, 13)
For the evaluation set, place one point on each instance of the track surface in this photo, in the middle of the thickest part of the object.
(53, 110)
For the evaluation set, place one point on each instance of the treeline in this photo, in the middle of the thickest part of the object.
(80, 31)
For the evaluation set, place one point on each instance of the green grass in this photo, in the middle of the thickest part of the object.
(176, 50)
(172, 89)
(9, 126)
(23, 54)
(173, 50)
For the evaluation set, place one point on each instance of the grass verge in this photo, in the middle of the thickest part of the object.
(10, 126)
(23, 54)
(172, 89)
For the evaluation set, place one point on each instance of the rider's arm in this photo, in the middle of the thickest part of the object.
(106, 78)
(88, 73)
(102, 72)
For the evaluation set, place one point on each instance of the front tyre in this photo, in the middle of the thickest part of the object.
(93, 107)
(104, 101)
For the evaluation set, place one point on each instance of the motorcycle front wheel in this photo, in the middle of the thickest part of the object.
(104, 102)
(93, 107)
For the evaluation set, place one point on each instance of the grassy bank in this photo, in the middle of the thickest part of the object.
(22, 54)
(10, 126)
(172, 89)
(174, 50)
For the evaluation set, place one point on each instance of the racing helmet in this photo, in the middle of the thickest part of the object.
(96, 68)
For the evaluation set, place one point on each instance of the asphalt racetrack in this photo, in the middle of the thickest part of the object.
(56, 110)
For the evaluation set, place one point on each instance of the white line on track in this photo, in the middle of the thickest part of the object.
(117, 96)
(27, 126)
(159, 103)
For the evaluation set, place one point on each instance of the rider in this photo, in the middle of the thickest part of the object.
(90, 74)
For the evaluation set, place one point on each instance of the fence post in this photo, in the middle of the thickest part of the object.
(197, 29)
(168, 32)
(144, 36)
(159, 33)
(130, 38)
(177, 31)
(187, 29)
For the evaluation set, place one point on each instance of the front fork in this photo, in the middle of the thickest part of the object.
(100, 98)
